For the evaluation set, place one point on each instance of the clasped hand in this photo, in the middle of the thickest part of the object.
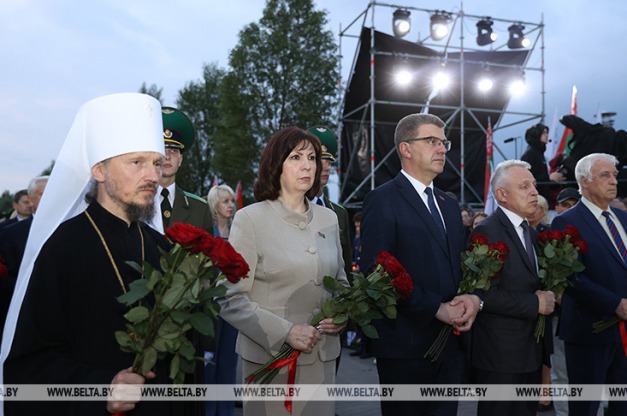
(460, 312)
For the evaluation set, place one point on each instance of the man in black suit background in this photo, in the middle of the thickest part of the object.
(22, 206)
(504, 349)
(421, 226)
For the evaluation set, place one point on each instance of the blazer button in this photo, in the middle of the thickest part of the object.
(312, 250)
(302, 225)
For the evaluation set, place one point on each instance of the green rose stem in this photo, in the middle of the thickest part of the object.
(157, 319)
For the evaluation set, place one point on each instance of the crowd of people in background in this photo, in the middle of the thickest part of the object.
(66, 258)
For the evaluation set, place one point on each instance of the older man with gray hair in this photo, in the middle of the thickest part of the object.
(600, 291)
(504, 348)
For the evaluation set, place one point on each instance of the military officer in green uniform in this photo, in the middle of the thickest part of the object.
(329, 152)
(176, 204)
(180, 206)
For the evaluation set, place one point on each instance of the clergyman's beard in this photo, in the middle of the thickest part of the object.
(137, 212)
(134, 212)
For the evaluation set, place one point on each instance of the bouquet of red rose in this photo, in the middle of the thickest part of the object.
(558, 258)
(481, 263)
(368, 298)
(169, 303)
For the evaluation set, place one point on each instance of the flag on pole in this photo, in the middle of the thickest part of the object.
(568, 133)
(488, 198)
(239, 196)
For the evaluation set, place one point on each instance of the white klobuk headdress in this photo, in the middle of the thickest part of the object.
(103, 128)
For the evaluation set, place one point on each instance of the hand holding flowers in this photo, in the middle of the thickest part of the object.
(171, 302)
(481, 263)
(367, 299)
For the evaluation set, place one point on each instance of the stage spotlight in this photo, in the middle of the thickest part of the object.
(401, 23)
(485, 34)
(403, 77)
(517, 38)
(441, 81)
(485, 84)
(517, 87)
(439, 25)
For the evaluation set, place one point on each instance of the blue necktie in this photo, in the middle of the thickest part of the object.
(435, 213)
(616, 236)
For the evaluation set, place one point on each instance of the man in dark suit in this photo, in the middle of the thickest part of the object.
(176, 204)
(13, 243)
(329, 152)
(22, 206)
(422, 228)
(504, 349)
(600, 291)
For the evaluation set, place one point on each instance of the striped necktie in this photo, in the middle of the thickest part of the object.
(620, 245)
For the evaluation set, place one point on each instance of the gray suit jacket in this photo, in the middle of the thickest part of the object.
(288, 254)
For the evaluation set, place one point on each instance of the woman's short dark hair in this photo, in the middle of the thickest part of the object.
(278, 148)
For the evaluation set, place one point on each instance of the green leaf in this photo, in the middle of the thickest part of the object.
(370, 331)
(340, 319)
(123, 338)
(180, 316)
(174, 366)
(150, 359)
(137, 314)
(137, 291)
(202, 323)
(390, 312)
(331, 284)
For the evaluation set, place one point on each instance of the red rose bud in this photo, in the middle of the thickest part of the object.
(228, 261)
(478, 239)
(403, 284)
(390, 264)
(571, 230)
(188, 236)
(581, 244)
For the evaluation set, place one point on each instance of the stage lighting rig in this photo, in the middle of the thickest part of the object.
(517, 39)
(485, 34)
(401, 23)
(440, 21)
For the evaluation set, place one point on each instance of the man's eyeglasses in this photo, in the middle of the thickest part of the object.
(432, 141)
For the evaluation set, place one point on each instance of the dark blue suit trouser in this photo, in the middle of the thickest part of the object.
(596, 364)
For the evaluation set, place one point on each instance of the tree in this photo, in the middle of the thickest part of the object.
(284, 72)
(199, 100)
(48, 170)
(153, 91)
(6, 204)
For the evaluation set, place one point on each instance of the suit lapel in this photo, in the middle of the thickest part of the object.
(518, 245)
(593, 223)
(408, 192)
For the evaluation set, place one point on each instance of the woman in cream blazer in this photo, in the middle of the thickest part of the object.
(290, 245)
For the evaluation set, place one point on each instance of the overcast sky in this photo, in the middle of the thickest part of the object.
(57, 55)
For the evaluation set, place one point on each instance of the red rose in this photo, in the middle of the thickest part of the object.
(403, 284)
(390, 264)
(478, 239)
(188, 236)
(229, 261)
(501, 248)
(4, 272)
(581, 244)
(571, 230)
